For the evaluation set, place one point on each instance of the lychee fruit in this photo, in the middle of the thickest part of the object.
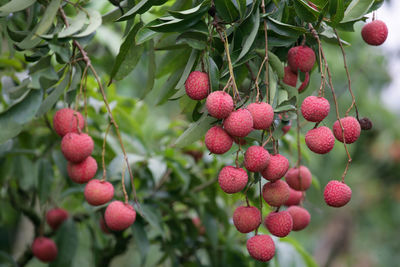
(374, 32)
(119, 215)
(320, 140)
(365, 124)
(44, 249)
(286, 128)
(352, 129)
(301, 217)
(246, 219)
(315, 108)
(232, 179)
(197, 85)
(276, 193)
(98, 192)
(290, 77)
(304, 84)
(263, 115)
(256, 158)
(55, 217)
(261, 247)
(279, 223)
(337, 194)
(83, 171)
(218, 140)
(76, 147)
(277, 167)
(66, 121)
(298, 180)
(219, 104)
(301, 58)
(239, 123)
(295, 197)
(199, 225)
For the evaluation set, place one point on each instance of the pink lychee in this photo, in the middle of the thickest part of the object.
(315, 108)
(279, 223)
(276, 193)
(44, 249)
(337, 194)
(98, 192)
(375, 32)
(65, 121)
(261, 247)
(197, 85)
(294, 197)
(232, 179)
(256, 158)
(290, 77)
(299, 180)
(301, 58)
(320, 140)
(304, 84)
(352, 129)
(55, 217)
(218, 140)
(277, 167)
(119, 215)
(239, 123)
(246, 219)
(83, 171)
(263, 115)
(76, 147)
(219, 104)
(301, 217)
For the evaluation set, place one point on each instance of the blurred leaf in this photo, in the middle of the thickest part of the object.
(308, 259)
(226, 10)
(141, 239)
(195, 131)
(67, 242)
(15, 6)
(94, 23)
(157, 167)
(76, 24)
(152, 217)
(45, 179)
(357, 9)
(5, 258)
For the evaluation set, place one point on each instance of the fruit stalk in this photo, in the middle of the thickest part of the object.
(266, 59)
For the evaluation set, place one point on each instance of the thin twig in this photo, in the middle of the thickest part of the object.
(103, 152)
(266, 59)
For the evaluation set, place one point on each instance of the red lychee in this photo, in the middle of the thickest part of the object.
(76, 147)
(246, 219)
(277, 167)
(290, 77)
(301, 58)
(375, 32)
(286, 128)
(218, 140)
(315, 108)
(304, 84)
(337, 194)
(98, 192)
(276, 193)
(219, 104)
(263, 115)
(55, 217)
(299, 181)
(83, 171)
(119, 215)
(197, 85)
(279, 223)
(44, 249)
(294, 197)
(301, 217)
(320, 140)
(239, 123)
(232, 179)
(352, 129)
(199, 225)
(256, 158)
(261, 247)
(64, 121)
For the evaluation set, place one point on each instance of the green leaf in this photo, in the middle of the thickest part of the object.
(250, 26)
(357, 9)
(75, 25)
(336, 10)
(67, 242)
(145, 34)
(94, 23)
(151, 68)
(276, 64)
(141, 239)
(305, 12)
(308, 259)
(198, 11)
(195, 131)
(188, 68)
(140, 8)
(14, 6)
(174, 25)
(213, 75)
(45, 179)
(193, 39)
(226, 10)
(152, 216)
(285, 29)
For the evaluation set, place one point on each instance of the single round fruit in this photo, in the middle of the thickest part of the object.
(76, 147)
(44, 249)
(218, 140)
(263, 115)
(256, 158)
(277, 167)
(55, 217)
(290, 77)
(119, 215)
(246, 219)
(276, 193)
(337, 194)
(219, 104)
(301, 217)
(352, 130)
(279, 223)
(232, 179)
(374, 32)
(239, 123)
(66, 121)
(315, 108)
(295, 197)
(286, 128)
(261, 247)
(83, 171)
(301, 58)
(299, 181)
(320, 140)
(197, 85)
(304, 84)
(98, 192)
(365, 124)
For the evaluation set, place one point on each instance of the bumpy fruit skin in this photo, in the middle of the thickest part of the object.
(299, 181)
(256, 158)
(219, 104)
(76, 147)
(277, 167)
(290, 77)
(315, 108)
(352, 130)
(239, 123)
(119, 215)
(83, 171)
(246, 219)
(304, 84)
(218, 140)
(320, 140)
(263, 115)
(232, 179)
(294, 197)
(55, 217)
(98, 192)
(261, 247)
(375, 32)
(279, 223)
(337, 194)
(301, 217)
(301, 58)
(197, 85)
(64, 121)
(44, 249)
(276, 193)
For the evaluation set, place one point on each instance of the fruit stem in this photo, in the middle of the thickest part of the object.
(298, 137)
(266, 59)
(103, 152)
(123, 185)
(261, 204)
